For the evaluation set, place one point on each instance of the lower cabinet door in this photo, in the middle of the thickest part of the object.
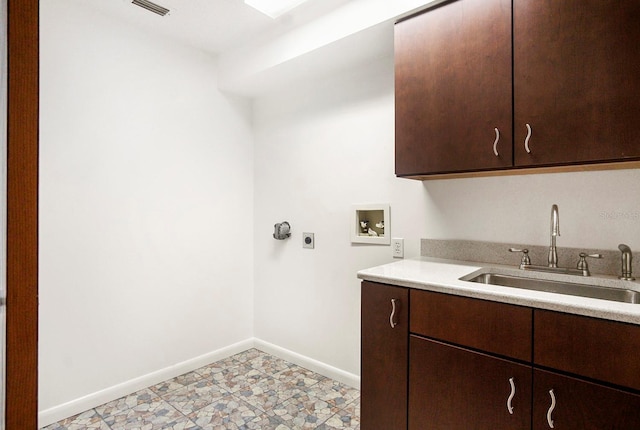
(452, 388)
(565, 403)
(385, 338)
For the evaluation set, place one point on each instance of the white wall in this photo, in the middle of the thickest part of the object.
(329, 144)
(146, 206)
(597, 209)
(322, 148)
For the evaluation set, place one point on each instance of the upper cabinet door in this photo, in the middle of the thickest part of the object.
(576, 80)
(453, 88)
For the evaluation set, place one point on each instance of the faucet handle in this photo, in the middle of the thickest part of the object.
(525, 261)
(582, 263)
(585, 255)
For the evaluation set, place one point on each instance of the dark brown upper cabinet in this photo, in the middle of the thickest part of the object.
(453, 88)
(571, 86)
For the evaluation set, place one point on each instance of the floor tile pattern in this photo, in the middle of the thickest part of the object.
(250, 390)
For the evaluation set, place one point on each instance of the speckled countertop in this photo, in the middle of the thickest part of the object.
(443, 276)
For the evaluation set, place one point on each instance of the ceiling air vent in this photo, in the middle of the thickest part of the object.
(155, 8)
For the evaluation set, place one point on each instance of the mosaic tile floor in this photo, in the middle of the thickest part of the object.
(250, 390)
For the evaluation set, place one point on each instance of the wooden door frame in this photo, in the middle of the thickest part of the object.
(21, 411)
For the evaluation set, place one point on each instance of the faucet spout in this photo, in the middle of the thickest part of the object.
(555, 231)
(627, 257)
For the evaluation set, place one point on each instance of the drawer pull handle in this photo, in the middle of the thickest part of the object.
(495, 142)
(392, 322)
(551, 408)
(526, 139)
(513, 393)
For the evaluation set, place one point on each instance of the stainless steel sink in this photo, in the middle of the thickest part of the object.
(559, 287)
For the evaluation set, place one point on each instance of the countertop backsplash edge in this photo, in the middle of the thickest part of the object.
(498, 253)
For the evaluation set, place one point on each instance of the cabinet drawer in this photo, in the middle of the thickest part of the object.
(488, 326)
(591, 347)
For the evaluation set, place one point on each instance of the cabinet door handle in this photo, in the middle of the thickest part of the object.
(526, 139)
(551, 408)
(495, 142)
(392, 322)
(513, 393)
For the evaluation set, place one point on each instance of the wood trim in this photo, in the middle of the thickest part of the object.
(422, 9)
(22, 215)
(622, 165)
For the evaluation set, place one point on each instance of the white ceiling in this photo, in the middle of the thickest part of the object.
(258, 54)
(213, 25)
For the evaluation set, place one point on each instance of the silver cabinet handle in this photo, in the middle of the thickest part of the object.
(392, 323)
(526, 139)
(551, 408)
(495, 142)
(513, 393)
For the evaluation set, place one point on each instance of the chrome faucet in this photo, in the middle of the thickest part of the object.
(555, 231)
(627, 256)
(582, 268)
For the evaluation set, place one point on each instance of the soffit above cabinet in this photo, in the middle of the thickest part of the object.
(258, 54)
(356, 32)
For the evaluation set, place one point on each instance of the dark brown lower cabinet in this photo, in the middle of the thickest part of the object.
(453, 363)
(457, 389)
(590, 347)
(384, 343)
(581, 405)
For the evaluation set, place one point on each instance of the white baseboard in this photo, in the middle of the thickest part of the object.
(90, 401)
(324, 369)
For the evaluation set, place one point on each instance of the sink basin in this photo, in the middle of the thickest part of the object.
(559, 287)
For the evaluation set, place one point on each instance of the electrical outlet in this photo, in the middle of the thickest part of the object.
(397, 247)
(308, 241)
